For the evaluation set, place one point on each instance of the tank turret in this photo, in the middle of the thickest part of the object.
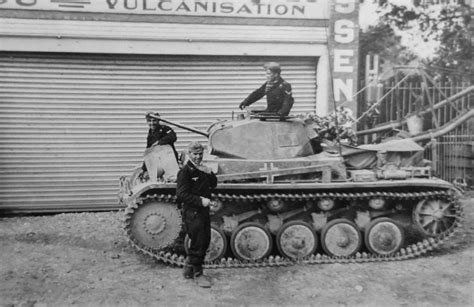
(257, 139)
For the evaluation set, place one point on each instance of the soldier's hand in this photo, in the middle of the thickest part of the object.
(205, 202)
(242, 105)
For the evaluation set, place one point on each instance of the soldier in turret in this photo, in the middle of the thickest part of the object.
(278, 92)
(158, 134)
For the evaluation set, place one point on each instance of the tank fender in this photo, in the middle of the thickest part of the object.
(142, 188)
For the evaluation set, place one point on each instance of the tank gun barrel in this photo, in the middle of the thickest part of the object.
(180, 125)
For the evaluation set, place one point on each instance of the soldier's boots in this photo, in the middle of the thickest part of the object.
(197, 269)
(192, 271)
(196, 272)
(201, 279)
(188, 271)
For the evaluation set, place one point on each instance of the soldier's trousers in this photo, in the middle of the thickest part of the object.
(197, 226)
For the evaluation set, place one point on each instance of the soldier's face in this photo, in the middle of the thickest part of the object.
(196, 157)
(153, 124)
(270, 75)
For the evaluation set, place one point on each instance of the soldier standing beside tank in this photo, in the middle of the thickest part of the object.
(277, 90)
(193, 189)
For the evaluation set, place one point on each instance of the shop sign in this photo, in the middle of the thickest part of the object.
(295, 9)
(343, 46)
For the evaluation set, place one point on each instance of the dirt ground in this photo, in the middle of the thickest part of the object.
(84, 259)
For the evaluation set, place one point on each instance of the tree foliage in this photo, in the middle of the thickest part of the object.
(445, 24)
(381, 39)
(455, 52)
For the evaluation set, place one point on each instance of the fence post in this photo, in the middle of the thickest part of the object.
(371, 76)
(434, 156)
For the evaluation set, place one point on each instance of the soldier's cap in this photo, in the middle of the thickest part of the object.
(149, 113)
(195, 147)
(273, 67)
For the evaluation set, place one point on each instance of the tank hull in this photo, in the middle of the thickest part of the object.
(281, 201)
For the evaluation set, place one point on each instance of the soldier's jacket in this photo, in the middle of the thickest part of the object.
(193, 183)
(279, 97)
(163, 135)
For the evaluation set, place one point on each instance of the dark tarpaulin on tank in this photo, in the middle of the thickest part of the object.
(365, 156)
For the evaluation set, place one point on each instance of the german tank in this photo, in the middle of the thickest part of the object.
(283, 198)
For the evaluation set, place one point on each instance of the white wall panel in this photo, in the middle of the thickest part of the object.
(159, 31)
(44, 35)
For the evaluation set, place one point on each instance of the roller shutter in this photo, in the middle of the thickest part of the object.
(72, 124)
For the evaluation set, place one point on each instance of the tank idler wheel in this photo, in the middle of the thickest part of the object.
(296, 240)
(341, 238)
(434, 216)
(155, 224)
(251, 241)
(217, 246)
(383, 236)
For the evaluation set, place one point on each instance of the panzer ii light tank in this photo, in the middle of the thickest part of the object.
(281, 198)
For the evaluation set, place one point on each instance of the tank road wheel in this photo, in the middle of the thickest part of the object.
(341, 238)
(434, 216)
(217, 246)
(383, 236)
(296, 240)
(155, 224)
(251, 241)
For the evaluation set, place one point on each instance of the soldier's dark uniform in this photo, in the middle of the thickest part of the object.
(164, 135)
(279, 97)
(193, 183)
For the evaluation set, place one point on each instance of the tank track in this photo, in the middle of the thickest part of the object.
(409, 252)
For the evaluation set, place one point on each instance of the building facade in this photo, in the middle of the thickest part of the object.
(77, 76)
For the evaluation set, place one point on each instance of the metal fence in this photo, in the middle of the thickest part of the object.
(414, 97)
(452, 153)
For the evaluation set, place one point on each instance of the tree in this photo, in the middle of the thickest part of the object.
(401, 29)
(455, 52)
